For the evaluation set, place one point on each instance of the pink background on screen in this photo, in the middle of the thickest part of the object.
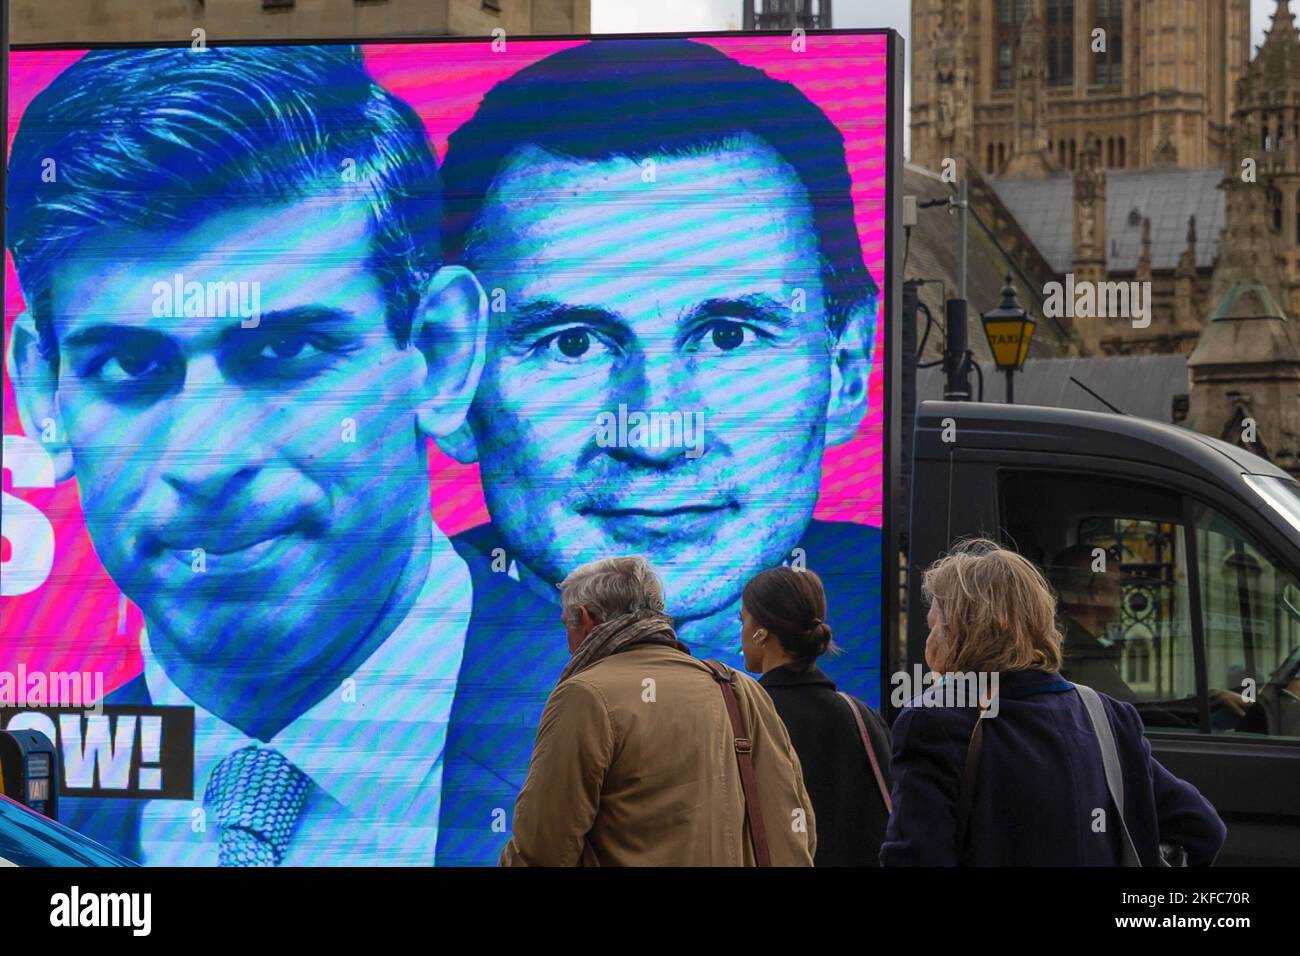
(80, 627)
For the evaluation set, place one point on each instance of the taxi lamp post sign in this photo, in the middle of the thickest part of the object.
(1009, 329)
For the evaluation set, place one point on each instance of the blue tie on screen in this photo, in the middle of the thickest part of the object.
(256, 795)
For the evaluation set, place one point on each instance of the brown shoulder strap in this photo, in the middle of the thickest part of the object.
(966, 795)
(744, 760)
(871, 752)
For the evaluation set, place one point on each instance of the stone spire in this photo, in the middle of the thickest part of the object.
(1186, 317)
(1166, 153)
(1030, 157)
(1031, 86)
(954, 129)
(1281, 31)
(1263, 176)
(1268, 95)
(1089, 261)
(1143, 270)
(1249, 248)
(1246, 363)
(1090, 204)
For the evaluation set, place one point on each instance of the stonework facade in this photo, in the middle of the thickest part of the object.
(1245, 370)
(1172, 159)
(1162, 90)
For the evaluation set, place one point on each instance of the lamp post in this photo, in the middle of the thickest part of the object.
(1009, 330)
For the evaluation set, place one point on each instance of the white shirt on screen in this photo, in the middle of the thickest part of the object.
(375, 760)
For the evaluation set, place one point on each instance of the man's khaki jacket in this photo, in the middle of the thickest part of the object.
(635, 765)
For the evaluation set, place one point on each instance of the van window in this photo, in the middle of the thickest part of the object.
(1116, 554)
(1250, 607)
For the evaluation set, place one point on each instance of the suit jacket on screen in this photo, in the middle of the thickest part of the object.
(514, 653)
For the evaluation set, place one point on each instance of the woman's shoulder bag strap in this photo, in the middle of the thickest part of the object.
(871, 751)
(1110, 761)
(969, 773)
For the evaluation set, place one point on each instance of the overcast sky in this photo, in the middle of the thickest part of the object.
(687, 16)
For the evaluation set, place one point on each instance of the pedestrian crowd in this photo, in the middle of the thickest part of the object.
(649, 756)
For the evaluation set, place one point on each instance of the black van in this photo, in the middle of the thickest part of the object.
(1206, 536)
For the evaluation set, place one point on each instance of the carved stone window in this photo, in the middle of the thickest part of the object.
(1010, 15)
(1108, 66)
(1060, 42)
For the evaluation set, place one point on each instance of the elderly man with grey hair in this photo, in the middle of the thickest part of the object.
(638, 760)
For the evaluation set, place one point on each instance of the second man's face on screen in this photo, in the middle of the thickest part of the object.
(681, 285)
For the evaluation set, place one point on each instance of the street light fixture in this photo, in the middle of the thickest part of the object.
(1009, 330)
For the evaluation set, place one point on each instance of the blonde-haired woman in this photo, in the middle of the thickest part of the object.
(1029, 786)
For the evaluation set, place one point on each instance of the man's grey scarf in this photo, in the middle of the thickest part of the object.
(620, 633)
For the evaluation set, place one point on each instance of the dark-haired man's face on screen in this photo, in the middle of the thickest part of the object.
(698, 294)
(255, 480)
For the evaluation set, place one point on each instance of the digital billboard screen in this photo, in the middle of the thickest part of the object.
(325, 363)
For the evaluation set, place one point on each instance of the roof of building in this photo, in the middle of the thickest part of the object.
(1140, 385)
(1044, 208)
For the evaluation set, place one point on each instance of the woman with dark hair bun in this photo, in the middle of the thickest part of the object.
(843, 745)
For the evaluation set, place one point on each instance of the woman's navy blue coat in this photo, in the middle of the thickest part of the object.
(1040, 785)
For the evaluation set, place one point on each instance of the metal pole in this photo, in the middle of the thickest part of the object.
(963, 205)
(1011, 391)
(956, 368)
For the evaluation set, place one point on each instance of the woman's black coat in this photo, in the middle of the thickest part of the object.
(850, 812)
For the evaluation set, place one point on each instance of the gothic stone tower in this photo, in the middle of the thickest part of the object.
(1089, 235)
(1245, 370)
(1267, 120)
(1163, 90)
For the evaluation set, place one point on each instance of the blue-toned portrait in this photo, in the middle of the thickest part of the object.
(241, 334)
(331, 361)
